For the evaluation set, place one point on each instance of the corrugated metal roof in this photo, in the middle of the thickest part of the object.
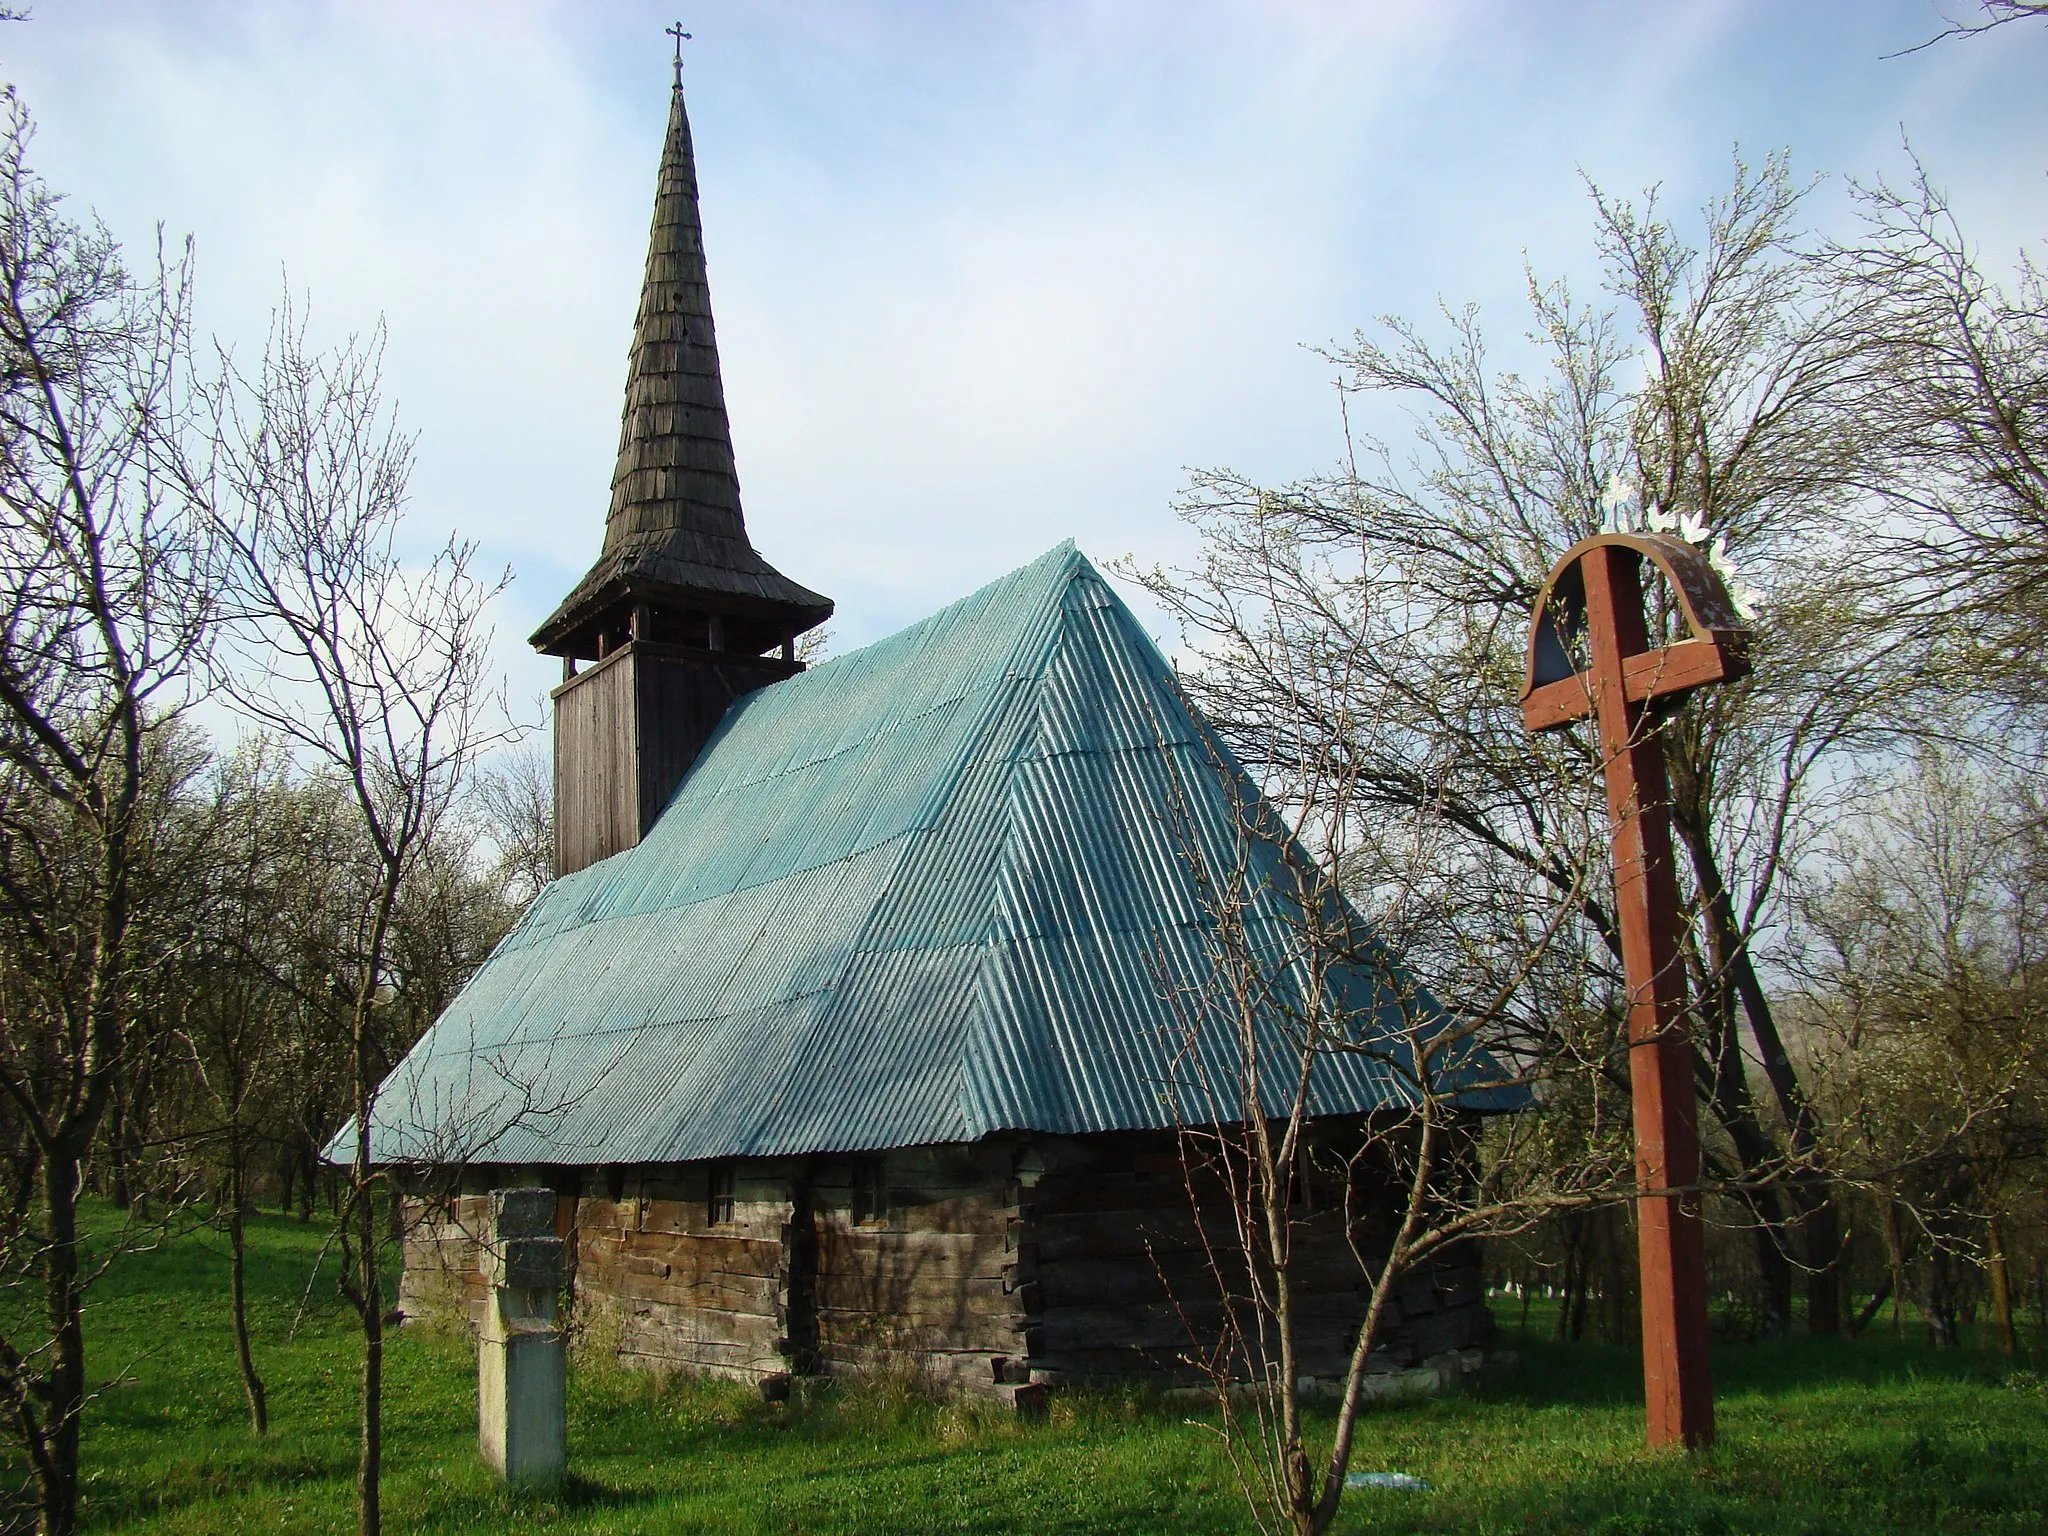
(935, 889)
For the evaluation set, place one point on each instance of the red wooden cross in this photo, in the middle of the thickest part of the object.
(1595, 594)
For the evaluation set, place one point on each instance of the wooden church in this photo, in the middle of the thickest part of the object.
(848, 1034)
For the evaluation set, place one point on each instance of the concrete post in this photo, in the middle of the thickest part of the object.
(522, 1376)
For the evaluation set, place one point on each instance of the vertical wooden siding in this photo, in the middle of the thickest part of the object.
(626, 731)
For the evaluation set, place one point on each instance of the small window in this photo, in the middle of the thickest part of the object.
(870, 1191)
(718, 1208)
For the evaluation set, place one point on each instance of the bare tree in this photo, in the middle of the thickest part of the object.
(516, 800)
(1719, 394)
(1992, 14)
(1958, 375)
(373, 669)
(1310, 910)
(233, 994)
(104, 596)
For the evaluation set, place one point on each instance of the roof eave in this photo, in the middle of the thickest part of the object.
(590, 599)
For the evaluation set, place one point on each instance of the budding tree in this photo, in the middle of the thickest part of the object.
(1716, 392)
(106, 576)
(1319, 928)
(375, 669)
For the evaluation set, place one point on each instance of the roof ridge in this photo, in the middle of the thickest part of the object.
(1039, 588)
(791, 691)
(1065, 552)
(1000, 1049)
(1028, 631)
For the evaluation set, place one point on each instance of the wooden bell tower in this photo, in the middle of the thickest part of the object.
(680, 615)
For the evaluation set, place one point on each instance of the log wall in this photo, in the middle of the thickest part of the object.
(927, 1279)
(665, 1287)
(1121, 1273)
(992, 1267)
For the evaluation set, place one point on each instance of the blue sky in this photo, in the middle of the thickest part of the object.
(987, 275)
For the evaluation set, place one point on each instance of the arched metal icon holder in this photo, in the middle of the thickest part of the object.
(1593, 605)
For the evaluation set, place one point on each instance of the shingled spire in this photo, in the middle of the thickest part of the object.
(674, 538)
(680, 613)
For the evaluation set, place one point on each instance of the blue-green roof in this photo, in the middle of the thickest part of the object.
(936, 889)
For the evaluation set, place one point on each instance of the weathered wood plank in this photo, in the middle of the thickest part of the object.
(689, 1254)
(923, 1211)
(1036, 1256)
(1117, 1191)
(898, 1338)
(886, 1252)
(924, 1297)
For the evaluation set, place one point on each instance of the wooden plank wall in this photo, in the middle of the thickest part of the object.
(442, 1278)
(627, 729)
(1120, 1281)
(682, 697)
(597, 765)
(1007, 1264)
(929, 1284)
(664, 1288)
(794, 1283)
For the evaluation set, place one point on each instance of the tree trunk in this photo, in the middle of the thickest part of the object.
(1774, 1274)
(1871, 1308)
(57, 1469)
(363, 1194)
(252, 1384)
(1276, 1251)
(1943, 1330)
(370, 1463)
(1895, 1258)
(1823, 1231)
(1733, 967)
(120, 1192)
(1574, 1226)
(366, 1285)
(2001, 1291)
(1620, 1319)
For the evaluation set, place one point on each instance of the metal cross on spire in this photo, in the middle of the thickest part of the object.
(681, 38)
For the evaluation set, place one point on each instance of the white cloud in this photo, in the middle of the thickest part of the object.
(985, 276)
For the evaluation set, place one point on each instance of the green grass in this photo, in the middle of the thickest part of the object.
(1816, 1436)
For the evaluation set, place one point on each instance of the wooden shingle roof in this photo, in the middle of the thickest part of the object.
(675, 532)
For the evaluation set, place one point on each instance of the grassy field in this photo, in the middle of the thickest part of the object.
(1816, 1437)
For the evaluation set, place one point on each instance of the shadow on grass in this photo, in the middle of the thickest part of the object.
(576, 1494)
(221, 1472)
(1819, 1436)
(1591, 1372)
